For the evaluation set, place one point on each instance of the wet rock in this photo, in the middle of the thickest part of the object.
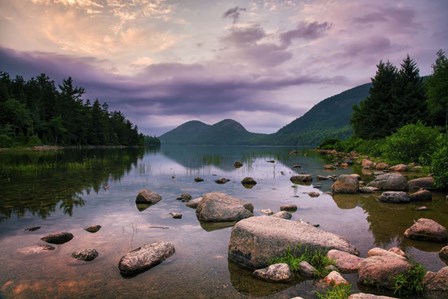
(399, 168)
(421, 195)
(32, 228)
(184, 197)
(329, 167)
(422, 208)
(257, 240)
(248, 181)
(145, 257)
(267, 212)
(383, 252)
(289, 208)
(93, 228)
(382, 166)
(437, 281)
(380, 267)
(345, 261)
(222, 181)
(35, 249)
(368, 189)
(345, 165)
(313, 193)
(58, 238)
(283, 215)
(237, 164)
(346, 183)
(394, 197)
(176, 215)
(194, 203)
(390, 182)
(220, 207)
(427, 230)
(270, 161)
(365, 163)
(334, 278)
(397, 251)
(198, 179)
(276, 272)
(323, 178)
(443, 253)
(307, 270)
(422, 183)
(296, 166)
(146, 196)
(85, 254)
(301, 178)
(368, 296)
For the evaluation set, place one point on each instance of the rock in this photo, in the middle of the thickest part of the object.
(276, 272)
(307, 270)
(345, 261)
(422, 183)
(145, 257)
(443, 253)
(329, 167)
(296, 166)
(313, 193)
(365, 163)
(146, 196)
(334, 278)
(93, 228)
(436, 281)
(289, 208)
(367, 189)
(237, 164)
(267, 212)
(388, 253)
(345, 165)
(59, 238)
(220, 207)
(85, 254)
(368, 296)
(379, 270)
(421, 195)
(270, 161)
(35, 249)
(323, 178)
(382, 166)
(283, 215)
(194, 203)
(346, 183)
(198, 179)
(176, 215)
(32, 228)
(422, 208)
(399, 168)
(427, 230)
(394, 197)
(255, 241)
(397, 251)
(222, 181)
(301, 178)
(390, 182)
(184, 197)
(248, 181)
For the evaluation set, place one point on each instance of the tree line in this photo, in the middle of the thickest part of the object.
(38, 111)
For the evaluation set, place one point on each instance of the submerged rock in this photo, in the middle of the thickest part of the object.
(222, 181)
(427, 230)
(146, 196)
(237, 164)
(58, 238)
(276, 272)
(35, 249)
(255, 241)
(289, 208)
(145, 257)
(248, 181)
(32, 228)
(283, 215)
(85, 254)
(301, 178)
(176, 215)
(184, 197)
(93, 228)
(198, 179)
(220, 207)
(437, 281)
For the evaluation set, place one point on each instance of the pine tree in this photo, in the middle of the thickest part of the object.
(437, 87)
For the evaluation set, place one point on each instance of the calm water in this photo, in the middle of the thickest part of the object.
(73, 189)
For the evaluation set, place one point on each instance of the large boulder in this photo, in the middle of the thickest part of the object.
(421, 195)
(380, 268)
(220, 207)
(422, 183)
(394, 197)
(146, 196)
(58, 238)
(390, 182)
(437, 281)
(346, 184)
(276, 272)
(427, 230)
(345, 262)
(145, 257)
(255, 241)
(301, 178)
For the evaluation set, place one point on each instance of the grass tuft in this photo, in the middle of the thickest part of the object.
(411, 281)
(341, 291)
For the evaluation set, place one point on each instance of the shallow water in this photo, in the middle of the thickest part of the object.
(73, 189)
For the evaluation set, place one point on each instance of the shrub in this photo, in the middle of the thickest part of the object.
(341, 291)
(6, 141)
(411, 281)
(34, 141)
(411, 143)
(439, 165)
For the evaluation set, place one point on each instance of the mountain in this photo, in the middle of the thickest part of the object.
(225, 132)
(329, 118)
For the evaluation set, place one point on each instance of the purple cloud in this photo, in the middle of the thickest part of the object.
(233, 13)
(307, 31)
(398, 18)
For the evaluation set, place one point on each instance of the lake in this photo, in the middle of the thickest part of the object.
(69, 190)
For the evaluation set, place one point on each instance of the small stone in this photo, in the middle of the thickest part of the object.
(32, 229)
(296, 166)
(184, 197)
(329, 167)
(221, 181)
(301, 178)
(198, 179)
(59, 238)
(334, 278)
(270, 161)
(283, 215)
(323, 178)
(276, 272)
(289, 208)
(93, 228)
(422, 208)
(313, 193)
(307, 270)
(146, 196)
(237, 164)
(248, 181)
(85, 254)
(444, 253)
(35, 249)
(267, 212)
(367, 189)
(176, 215)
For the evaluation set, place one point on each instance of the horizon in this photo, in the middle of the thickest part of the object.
(261, 63)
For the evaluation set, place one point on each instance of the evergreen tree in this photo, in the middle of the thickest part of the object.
(437, 87)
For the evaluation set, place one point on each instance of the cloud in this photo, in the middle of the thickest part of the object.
(306, 31)
(233, 13)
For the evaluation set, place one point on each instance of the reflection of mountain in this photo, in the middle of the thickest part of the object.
(41, 183)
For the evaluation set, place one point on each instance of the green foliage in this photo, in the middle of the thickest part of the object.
(151, 141)
(6, 141)
(411, 143)
(34, 141)
(340, 291)
(437, 88)
(316, 257)
(372, 147)
(410, 282)
(439, 165)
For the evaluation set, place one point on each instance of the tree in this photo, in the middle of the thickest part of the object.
(437, 87)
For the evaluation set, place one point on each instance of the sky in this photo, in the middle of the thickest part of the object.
(262, 63)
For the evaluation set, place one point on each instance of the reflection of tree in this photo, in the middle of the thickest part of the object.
(41, 183)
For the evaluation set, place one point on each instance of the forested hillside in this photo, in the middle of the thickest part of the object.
(38, 111)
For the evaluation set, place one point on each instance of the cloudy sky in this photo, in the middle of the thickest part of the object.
(260, 62)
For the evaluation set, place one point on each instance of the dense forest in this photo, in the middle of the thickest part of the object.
(36, 112)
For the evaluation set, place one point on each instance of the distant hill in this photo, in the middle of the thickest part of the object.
(328, 118)
(225, 132)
